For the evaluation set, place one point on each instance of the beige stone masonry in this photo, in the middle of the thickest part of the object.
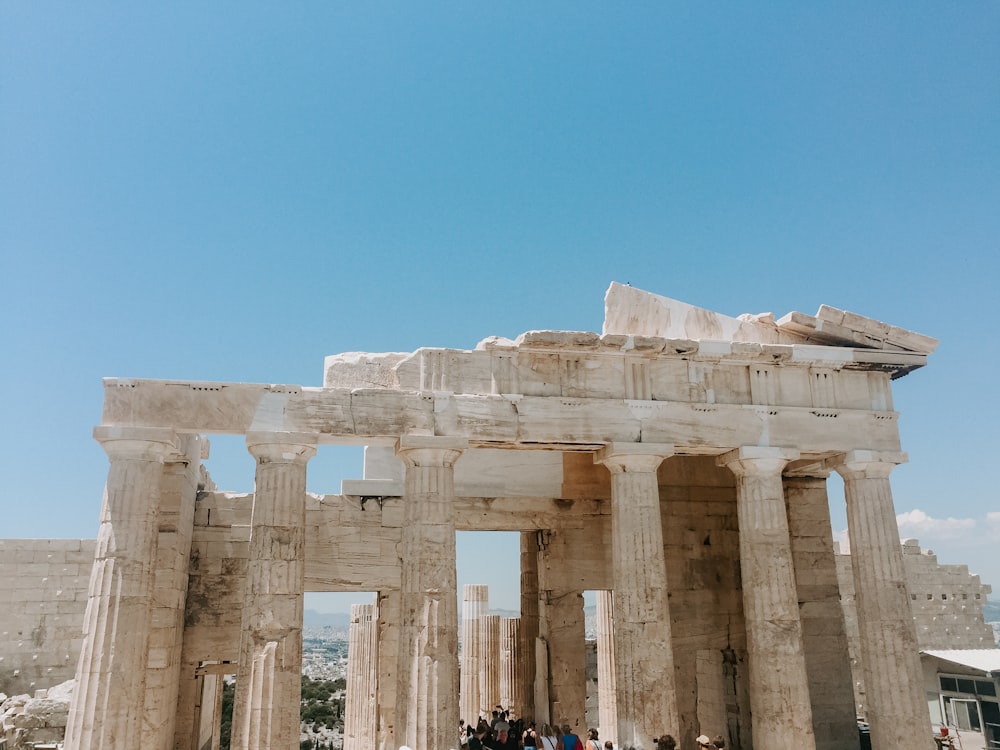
(362, 679)
(269, 681)
(489, 664)
(607, 696)
(528, 632)
(475, 605)
(644, 665)
(427, 687)
(42, 604)
(107, 704)
(724, 591)
(779, 688)
(175, 521)
(824, 637)
(897, 708)
(508, 660)
(387, 608)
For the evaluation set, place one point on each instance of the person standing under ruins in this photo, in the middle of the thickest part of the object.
(570, 741)
(666, 742)
(478, 739)
(529, 739)
(719, 742)
(592, 742)
(704, 743)
(548, 737)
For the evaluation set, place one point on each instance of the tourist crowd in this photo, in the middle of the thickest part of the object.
(503, 732)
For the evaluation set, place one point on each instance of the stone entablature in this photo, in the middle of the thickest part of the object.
(579, 364)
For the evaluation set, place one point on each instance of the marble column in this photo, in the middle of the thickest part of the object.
(528, 632)
(824, 637)
(644, 663)
(427, 693)
(508, 659)
(362, 669)
(779, 687)
(269, 680)
(107, 705)
(207, 714)
(475, 604)
(175, 522)
(897, 707)
(387, 619)
(489, 663)
(607, 704)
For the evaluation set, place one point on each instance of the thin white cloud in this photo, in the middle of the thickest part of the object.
(916, 523)
(930, 531)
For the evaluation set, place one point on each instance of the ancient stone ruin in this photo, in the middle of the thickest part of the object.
(677, 461)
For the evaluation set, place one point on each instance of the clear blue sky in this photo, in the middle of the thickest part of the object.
(232, 191)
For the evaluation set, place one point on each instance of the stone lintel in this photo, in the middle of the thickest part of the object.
(372, 487)
(331, 416)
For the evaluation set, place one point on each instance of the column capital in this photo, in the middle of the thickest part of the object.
(430, 450)
(865, 464)
(281, 447)
(145, 443)
(755, 460)
(633, 457)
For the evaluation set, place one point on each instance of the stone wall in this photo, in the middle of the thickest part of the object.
(43, 598)
(946, 600)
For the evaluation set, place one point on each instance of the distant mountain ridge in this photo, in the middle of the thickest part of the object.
(314, 619)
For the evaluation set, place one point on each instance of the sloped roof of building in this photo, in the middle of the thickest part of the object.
(987, 660)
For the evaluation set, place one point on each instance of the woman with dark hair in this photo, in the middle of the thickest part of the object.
(530, 737)
(666, 742)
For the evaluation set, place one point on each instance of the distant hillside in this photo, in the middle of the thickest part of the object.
(991, 611)
(313, 619)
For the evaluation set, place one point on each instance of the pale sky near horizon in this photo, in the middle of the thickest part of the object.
(234, 191)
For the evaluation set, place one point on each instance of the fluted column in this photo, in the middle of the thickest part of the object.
(821, 613)
(607, 704)
(362, 667)
(644, 662)
(489, 663)
(175, 522)
(387, 617)
(106, 709)
(897, 707)
(475, 598)
(509, 627)
(779, 688)
(269, 681)
(427, 694)
(528, 632)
